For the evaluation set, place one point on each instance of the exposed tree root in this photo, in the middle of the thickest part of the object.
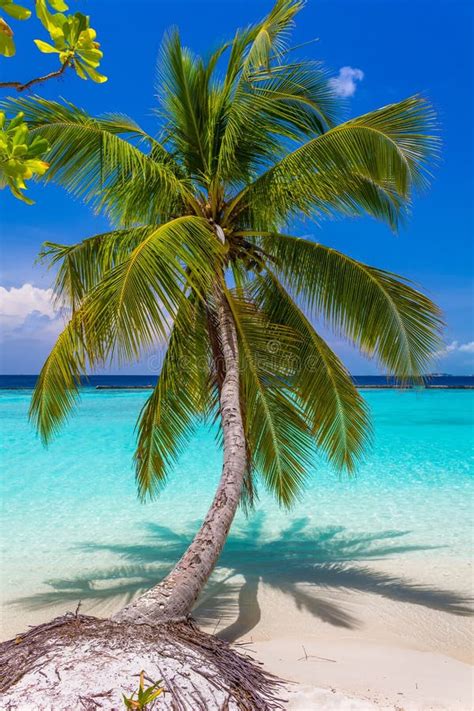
(82, 662)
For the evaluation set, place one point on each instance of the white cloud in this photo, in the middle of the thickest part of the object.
(345, 83)
(455, 347)
(21, 308)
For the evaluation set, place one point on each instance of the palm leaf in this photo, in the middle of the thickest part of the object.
(183, 91)
(138, 299)
(90, 159)
(128, 311)
(391, 147)
(337, 413)
(332, 194)
(57, 388)
(83, 265)
(379, 311)
(180, 397)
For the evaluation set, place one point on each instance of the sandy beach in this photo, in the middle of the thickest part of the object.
(406, 649)
(386, 653)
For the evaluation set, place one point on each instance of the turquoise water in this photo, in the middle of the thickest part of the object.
(70, 512)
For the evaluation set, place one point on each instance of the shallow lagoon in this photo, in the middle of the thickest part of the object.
(70, 513)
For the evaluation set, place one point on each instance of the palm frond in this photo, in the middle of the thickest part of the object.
(57, 388)
(265, 101)
(179, 399)
(183, 92)
(338, 414)
(331, 194)
(138, 299)
(81, 266)
(90, 159)
(290, 102)
(375, 309)
(130, 310)
(269, 38)
(391, 147)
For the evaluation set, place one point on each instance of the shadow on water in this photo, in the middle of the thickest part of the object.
(304, 563)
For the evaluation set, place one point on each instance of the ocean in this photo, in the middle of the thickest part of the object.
(8, 382)
(73, 529)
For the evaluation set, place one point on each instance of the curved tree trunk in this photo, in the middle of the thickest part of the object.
(83, 662)
(174, 598)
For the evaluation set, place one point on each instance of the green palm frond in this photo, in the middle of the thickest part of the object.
(264, 101)
(392, 147)
(296, 97)
(332, 194)
(278, 434)
(183, 90)
(338, 414)
(57, 388)
(378, 311)
(81, 266)
(269, 39)
(138, 299)
(92, 161)
(289, 102)
(129, 311)
(180, 397)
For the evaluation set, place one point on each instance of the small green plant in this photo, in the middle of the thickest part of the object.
(144, 695)
(20, 156)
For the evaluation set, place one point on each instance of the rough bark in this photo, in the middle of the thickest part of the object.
(174, 597)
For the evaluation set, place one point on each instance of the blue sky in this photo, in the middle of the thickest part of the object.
(395, 47)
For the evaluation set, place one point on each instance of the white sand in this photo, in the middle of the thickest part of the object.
(392, 655)
(346, 648)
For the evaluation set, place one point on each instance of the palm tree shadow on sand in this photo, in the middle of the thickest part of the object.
(318, 559)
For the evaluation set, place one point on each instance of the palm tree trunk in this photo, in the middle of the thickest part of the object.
(174, 597)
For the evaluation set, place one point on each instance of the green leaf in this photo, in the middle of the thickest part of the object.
(337, 412)
(19, 156)
(378, 311)
(389, 149)
(95, 76)
(92, 57)
(128, 312)
(80, 70)
(16, 11)
(7, 45)
(181, 396)
(59, 5)
(90, 159)
(45, 47)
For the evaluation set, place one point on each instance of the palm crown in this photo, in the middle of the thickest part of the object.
(248, 143)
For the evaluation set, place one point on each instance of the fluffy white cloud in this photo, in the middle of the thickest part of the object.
(345, 83)
(21, 308)
(455, 347)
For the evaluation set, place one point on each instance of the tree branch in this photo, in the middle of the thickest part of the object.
(22, 87)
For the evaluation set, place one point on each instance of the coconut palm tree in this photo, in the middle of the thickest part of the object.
(203, 261)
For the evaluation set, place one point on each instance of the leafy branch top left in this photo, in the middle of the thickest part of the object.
(70, 34)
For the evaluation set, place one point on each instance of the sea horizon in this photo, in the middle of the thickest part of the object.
(27, 381)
